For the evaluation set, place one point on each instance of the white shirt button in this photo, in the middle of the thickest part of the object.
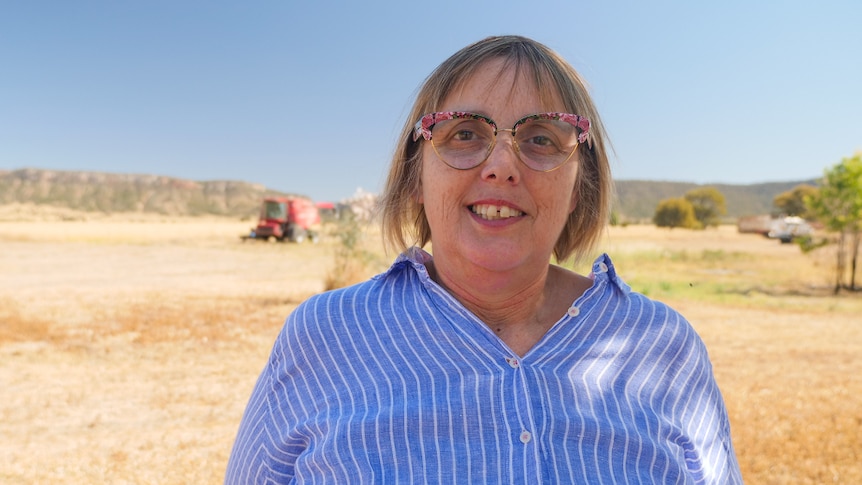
(573, 311)
(525, 436)
(513, 362)
(603, 268)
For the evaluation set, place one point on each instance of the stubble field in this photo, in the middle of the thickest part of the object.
(129, 348)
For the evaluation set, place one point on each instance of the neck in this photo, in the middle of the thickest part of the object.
(499, 298)
(519, 304)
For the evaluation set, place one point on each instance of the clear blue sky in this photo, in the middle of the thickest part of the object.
(308, 96)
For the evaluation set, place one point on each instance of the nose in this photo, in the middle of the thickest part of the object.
(502, 163)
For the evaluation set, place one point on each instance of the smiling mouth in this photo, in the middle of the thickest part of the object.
(494, 212)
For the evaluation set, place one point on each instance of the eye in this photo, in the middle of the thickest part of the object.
(540, 140)
(462, 131)
(538, 135)
(464, 135)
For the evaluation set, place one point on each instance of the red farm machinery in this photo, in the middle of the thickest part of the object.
(294, 219)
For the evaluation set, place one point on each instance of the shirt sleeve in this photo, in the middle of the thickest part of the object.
(264, 451)
(695, 407)
(709, 452)
(295, 397)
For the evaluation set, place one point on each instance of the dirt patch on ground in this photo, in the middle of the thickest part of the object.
(129, 348)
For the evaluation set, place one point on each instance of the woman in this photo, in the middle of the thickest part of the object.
(485, 363)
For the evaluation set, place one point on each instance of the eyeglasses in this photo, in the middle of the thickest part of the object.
(463, 140)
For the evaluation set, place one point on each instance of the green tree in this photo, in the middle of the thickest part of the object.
(675, 212)
(708, 204)
(838, 205)
(793, 202)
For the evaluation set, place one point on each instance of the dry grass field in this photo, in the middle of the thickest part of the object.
(129, 348)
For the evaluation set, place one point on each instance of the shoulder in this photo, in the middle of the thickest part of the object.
(343, 311)
(654, 324)
(621, 299)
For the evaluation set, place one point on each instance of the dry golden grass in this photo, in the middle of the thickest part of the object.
(785, 352)
(16, 328)
(129, 348)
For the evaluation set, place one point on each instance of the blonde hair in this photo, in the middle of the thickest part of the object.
(403, 217)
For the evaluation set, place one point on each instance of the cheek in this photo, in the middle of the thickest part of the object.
(434, 183)
(561, 193)
(571, 181)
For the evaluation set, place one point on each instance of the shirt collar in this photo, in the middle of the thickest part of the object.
(602, 269)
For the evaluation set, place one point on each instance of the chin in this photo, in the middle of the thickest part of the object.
(496, 256)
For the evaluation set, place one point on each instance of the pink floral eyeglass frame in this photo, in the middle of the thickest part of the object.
(423, 127)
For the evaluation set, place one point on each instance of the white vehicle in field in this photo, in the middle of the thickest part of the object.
(787, 228)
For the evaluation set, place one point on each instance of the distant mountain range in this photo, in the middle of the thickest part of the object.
(117, 193)
(636, 200)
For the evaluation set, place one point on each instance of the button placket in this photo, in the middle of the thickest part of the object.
(525, 436)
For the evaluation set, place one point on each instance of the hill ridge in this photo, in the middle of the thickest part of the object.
(136, 193)
(636, 200)
(90, 191)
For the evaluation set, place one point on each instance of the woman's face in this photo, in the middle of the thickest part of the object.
(529, 208)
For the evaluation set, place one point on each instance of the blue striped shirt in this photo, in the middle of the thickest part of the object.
(394, 381)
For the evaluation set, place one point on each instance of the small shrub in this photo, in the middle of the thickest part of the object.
(675, 212)
(351, 262)
(708, 204)
(809, 243)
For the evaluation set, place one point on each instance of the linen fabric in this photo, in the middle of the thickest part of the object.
(394, 381)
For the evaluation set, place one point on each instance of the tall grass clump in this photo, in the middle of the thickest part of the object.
(352, 262)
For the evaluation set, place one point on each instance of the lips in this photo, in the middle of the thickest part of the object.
(492, 212)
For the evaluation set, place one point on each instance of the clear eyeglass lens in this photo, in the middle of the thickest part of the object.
(545, 144)
(542, 145)
(463, 143)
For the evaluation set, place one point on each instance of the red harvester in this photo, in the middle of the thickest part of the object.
(287, 219)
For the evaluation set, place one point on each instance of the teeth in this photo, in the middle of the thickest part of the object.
(494, 212)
